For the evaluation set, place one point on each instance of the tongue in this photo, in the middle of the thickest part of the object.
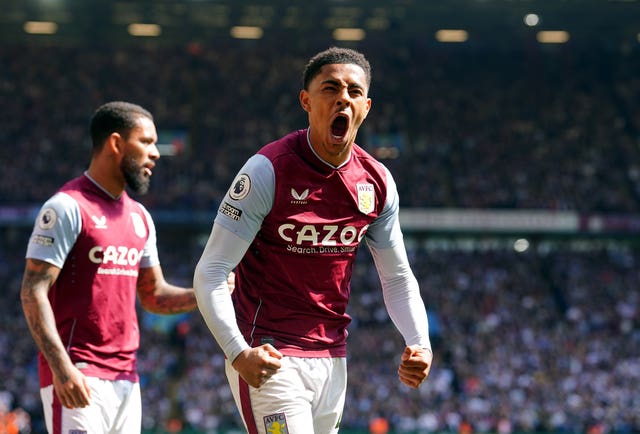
(339, 127)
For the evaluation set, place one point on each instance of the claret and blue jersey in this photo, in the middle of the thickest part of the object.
(293, 207)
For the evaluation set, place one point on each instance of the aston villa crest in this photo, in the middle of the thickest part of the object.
(366, 198)
(276, 424)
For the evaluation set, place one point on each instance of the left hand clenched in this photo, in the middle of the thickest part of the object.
(415, 365)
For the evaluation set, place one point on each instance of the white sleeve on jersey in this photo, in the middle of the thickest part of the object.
(150, 255)
(251, 201)
(223, 252)
(55, 230)
(399, 286)
(247, 202)
(402, 294)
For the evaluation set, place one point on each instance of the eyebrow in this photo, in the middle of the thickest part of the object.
(337, 83)
(148, 139)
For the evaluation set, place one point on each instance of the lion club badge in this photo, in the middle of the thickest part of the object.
(276, 424)
(366, 198)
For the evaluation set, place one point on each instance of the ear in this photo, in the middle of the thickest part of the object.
(368, 107)
(304, 100)
(114, 144)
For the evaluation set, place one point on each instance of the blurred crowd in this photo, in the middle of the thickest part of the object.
(543, 340)
(469, 127)
(546, 340)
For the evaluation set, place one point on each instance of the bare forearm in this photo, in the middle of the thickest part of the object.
(158, 296)
(40, 319)
(172, 300)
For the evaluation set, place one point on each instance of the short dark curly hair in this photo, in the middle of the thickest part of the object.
(115, 117)
(331, 56)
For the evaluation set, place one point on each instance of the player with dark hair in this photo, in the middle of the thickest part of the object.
(92, 249)
(291, 223)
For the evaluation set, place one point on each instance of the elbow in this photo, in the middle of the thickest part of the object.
(151, 304)
(154, 298)
(209, 277)
(199, 277)
(201, 283)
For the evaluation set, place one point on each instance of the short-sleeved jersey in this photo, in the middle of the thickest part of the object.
(292, 285)
(100, 243)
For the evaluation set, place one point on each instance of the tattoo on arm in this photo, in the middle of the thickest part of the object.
(158, 296)
(38, 278)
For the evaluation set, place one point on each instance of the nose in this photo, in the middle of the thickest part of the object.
(154, 152)
(343, 98)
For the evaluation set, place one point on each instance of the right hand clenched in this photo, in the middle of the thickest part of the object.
(257, 365)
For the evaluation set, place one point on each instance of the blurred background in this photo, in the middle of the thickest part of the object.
(512, 130)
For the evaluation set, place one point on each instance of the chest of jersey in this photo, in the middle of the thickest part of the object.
(114, 239)
(113, 234)
(322, 212)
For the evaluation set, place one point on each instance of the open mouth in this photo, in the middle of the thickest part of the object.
(148, 170)
(339, 126)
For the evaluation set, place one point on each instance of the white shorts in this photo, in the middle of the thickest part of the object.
(115, 408)
(305, 396)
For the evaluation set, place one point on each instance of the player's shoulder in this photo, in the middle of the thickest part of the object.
(286, 145)
(84, 190)
(138, 206)
(368, 161)
(359, 152)
(60, 204)
(65, 199)
(74, 185)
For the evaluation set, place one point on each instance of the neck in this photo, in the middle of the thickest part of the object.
(107, 183)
